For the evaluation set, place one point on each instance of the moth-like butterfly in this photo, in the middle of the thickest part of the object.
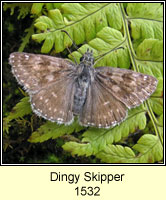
(60, 90)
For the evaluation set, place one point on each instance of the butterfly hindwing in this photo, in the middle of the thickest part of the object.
(101, 109)
(55, 102)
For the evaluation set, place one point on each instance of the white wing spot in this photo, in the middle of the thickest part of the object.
(12, 56)
(60, 119)
(46, 100)
(41, 98)
(26, 57)
(53, 94)
(105, 103)
(49, 108)
(11, 61)
(55, 110)
(145, 78)
(27, 85)
(50, 77)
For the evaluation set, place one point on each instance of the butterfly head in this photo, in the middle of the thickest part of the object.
(87, 58)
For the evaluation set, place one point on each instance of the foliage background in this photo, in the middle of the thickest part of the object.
(101, 27)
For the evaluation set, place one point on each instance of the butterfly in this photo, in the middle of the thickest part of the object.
(60, 89)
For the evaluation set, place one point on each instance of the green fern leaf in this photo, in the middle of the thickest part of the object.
(21, 109)
(150, 149)
(24, 9)
(156, 101)
(81, 26)
(37, 8)
(26, 39)
(146, 10)
(116, 154)
(52, 130)
(148, 50)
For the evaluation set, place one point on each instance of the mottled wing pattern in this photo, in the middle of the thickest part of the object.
(101, 108)
(50, 83)
(129, 87)
(34, 71)
(55, 102)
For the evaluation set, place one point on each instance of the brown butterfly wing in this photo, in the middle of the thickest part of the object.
(55, 102)
(129, 87)
(34, 71)
(101, 108)
(50, 83)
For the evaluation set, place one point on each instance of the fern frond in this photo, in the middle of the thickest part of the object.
(52, 130)
(26, 39)
(81, 22)
(24, 9)
(21, 109)
(148, 147)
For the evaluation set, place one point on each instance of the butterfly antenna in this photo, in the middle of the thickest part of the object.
(72, 42)
(98, 58)
(72, 55)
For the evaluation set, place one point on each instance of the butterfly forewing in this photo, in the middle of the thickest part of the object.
(35, 71)
(127, 86)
